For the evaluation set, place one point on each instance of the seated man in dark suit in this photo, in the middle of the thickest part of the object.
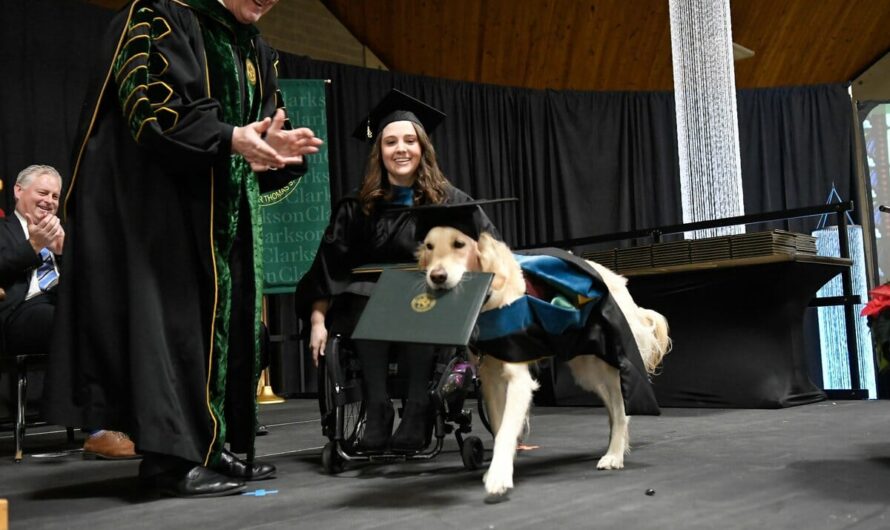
(30, 242)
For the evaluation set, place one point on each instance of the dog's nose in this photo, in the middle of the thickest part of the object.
(438, 276)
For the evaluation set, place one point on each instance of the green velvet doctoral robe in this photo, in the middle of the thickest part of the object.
(157, 328)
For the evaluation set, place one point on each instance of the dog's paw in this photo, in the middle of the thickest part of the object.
(498, 481)
(610, 462)
(495, 499)
(497, 488)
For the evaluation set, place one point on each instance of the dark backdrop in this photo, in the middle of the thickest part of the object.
(47, 52)
(586, 163)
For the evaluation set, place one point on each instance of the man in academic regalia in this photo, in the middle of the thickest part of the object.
(158, 322)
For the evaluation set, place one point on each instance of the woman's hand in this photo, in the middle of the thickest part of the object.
(318, 337)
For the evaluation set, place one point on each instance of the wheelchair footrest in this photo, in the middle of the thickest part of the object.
(388, 458)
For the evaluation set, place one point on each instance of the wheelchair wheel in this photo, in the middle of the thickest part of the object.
(472, 452)
(330, 460)
(340, 394)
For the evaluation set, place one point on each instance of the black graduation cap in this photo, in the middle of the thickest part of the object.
(465, 216)
(398, 106)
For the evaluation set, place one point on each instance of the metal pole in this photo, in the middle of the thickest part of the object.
(849, 316)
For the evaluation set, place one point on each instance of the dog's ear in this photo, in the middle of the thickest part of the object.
(475, 262)
(422, 256)
(489, 259)
(486, 249)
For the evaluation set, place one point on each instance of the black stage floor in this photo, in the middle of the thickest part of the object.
(825, 465)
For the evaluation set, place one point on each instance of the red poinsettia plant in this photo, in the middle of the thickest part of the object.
(879, 299)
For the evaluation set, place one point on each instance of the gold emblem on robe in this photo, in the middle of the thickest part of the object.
(251, 72)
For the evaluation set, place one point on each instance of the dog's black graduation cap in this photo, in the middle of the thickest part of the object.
(467, 217)
(398, 106)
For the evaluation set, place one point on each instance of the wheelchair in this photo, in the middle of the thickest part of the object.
(342, 408)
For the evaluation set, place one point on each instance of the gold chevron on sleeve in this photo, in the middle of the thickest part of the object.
(160, 28)
(138, 25)
(138, 134)
(159, 93)
(157, 64)
(138, 89)
(131, 72)
(123, 73)
(141, 99)
(167, 118)
(133, 39)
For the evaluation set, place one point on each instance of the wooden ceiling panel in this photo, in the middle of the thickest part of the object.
(612, 44)
(608, 44)
(799, 42)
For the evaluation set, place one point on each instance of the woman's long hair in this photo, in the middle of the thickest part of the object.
(430, 185)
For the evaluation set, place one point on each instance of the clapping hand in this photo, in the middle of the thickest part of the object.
(248, 142)
(46, 232)
(279, 148)
(291, 144)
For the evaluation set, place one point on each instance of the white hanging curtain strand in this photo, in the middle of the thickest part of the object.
(707, 120)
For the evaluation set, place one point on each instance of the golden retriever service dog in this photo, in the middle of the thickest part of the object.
(445, 254)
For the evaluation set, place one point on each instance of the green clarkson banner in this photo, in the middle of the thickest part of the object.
(294, 218)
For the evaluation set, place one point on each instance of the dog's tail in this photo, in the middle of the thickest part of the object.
(657, 343)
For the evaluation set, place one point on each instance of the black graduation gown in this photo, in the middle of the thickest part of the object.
(157, 325)
(352, 239)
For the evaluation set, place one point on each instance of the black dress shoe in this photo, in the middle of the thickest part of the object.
(198, 482)
(415, 428)
(378, 427)
(232, 466)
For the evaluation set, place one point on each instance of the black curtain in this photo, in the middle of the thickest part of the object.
(796, 144)
(48, 52)
(582, 163)
(588, 163)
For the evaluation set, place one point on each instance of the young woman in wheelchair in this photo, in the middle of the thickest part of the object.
(401, 171)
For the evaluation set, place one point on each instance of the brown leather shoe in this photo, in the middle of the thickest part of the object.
(110, 445)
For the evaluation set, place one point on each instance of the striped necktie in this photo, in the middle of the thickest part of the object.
(47, 277)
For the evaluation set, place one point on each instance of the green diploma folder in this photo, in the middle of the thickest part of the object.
(403, 309)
